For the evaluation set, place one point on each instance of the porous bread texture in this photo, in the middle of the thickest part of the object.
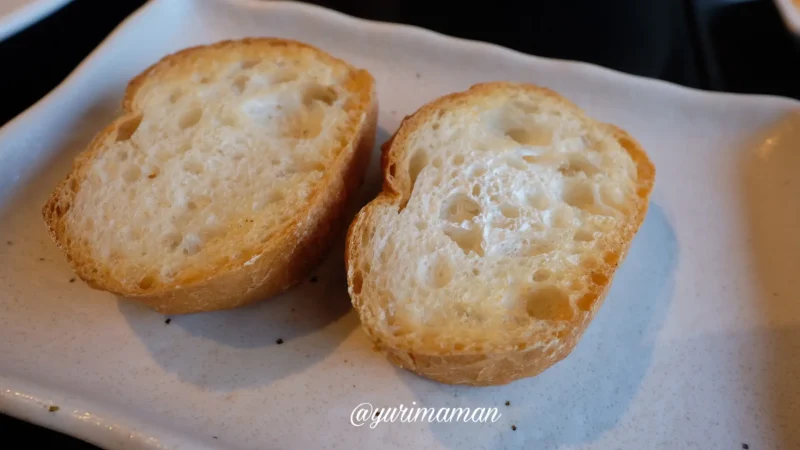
(224, 177)
(504, 213)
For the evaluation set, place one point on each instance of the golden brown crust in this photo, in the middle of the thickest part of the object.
(499, 364)
(281, 261)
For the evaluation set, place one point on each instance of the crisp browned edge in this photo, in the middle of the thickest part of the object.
(284, 260)
(500, 365)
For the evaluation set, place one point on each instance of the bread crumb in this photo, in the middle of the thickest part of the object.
(419, 75)
(314, 279)
(10, 242)
(745, 446)
(513, 428)
(41, 259)
(214, 437)
(168, 321)
(508, 403)
(53, 408)
(279, 341)
(72, 280)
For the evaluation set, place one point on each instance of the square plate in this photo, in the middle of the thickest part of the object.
(697, 345)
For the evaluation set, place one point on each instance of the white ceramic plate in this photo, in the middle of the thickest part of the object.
(790, 12)
(697, 346)
(18, 14)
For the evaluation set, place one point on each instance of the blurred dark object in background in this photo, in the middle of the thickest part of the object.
(747, 47)
(633, 36)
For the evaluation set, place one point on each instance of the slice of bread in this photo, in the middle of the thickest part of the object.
(504, 214)
(224, 178)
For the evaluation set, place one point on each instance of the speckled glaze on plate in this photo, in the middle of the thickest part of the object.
(697, 345)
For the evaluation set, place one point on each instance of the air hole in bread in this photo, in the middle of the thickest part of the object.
(391, 170)
(458, 346)
(580, 194)
(541, 248)
(538, 200)
(577, 285)
(176, 95)
(515, 162)
(435, 126)
(240, 83)
(146, 282)
(358, 282)
(417, 163)
(421, 226)
(562, 217)
(510, 211)
(316, 92)
(249, 63)
(400, 332)
(585, 303)
(191, 244)
(193, 166)
(538, 155)
(477, 171)
(437, 162)
(131, 173)
(599, 278)
(439, 272)
(589, 262)
(283, 77)
(204, 79)
(577, 164)
(476, 190)
(230, 120)
(458, 160)
(468, 240)
(533, 135)
(547, 303)
(122, 154)
(172, 240)
(476, 271)
(190, 118)
(610, 258)
(612, 196)
(542, 275)
(126, 128)
(152, 172)
(584, 235)
(459, 207)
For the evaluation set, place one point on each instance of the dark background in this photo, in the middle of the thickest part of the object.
(721, 45)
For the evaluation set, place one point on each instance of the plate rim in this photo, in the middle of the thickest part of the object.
(103, 428)
(27, 15)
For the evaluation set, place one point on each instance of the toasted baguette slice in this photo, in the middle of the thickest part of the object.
(224, 178)
(504, 214)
